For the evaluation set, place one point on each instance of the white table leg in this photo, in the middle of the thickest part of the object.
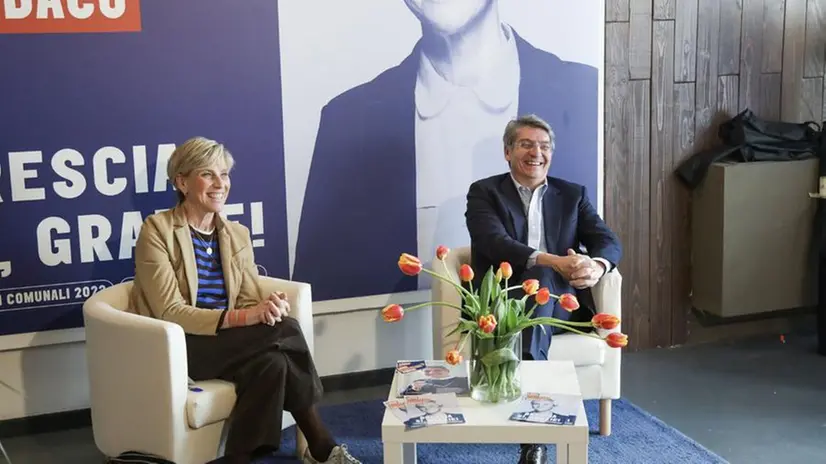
(562, 453)
(399, 453)
(572, 453)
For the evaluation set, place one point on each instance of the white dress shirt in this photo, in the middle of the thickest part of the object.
(458, 141)
(532, 204)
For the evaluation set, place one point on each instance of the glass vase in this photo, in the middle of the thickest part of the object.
(494, 368)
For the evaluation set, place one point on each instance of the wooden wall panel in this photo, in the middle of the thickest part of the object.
(728, 95)
(685, 41)
(616, 10)
(731, 15)
(640, 30)
(815, 33)
(708, 47)
(662, 143)
(679, 220)
(794, 43)
(639, 223)
(774, 16)
(769, 96)
(811, 100)
(751, 53)
(665, 9)
(676, 69)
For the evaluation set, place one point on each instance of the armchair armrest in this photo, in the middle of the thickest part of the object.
(299, 295)
(607, 295)
(130, 357)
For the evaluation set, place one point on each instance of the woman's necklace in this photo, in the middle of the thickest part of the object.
(203, 242)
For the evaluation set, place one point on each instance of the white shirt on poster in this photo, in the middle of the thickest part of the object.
(458, 131)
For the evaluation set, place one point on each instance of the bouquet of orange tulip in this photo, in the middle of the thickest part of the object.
(494, 322)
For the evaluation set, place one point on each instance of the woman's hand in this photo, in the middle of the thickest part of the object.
(280, 301)
(266, 312)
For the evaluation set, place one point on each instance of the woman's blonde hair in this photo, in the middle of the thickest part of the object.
(196, 153)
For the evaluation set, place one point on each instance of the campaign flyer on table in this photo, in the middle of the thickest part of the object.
(427, 410)
(547, 408)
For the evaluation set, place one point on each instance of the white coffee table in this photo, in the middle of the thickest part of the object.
(488, 423)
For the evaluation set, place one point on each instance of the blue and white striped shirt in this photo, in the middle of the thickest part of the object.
(212, 293)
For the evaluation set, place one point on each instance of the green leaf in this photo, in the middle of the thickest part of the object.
(462, 326)
(485, 290)
(472, 306)
(500, 312)
(497, 357)
(512, 318)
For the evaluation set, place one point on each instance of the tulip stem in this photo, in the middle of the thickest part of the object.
(495, 381)
(462, 341)
(442, 278)
(535, 304)
(561, 324)
(447, 272)
(579, 324)
(514, 287)
(434, 303)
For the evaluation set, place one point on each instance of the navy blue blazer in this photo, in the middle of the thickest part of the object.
(359, 210)
(499, 227)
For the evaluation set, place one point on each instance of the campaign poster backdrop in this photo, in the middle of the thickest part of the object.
(94, 97)
(357, 128)
(392, 108)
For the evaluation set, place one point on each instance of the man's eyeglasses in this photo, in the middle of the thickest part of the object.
(545, 147)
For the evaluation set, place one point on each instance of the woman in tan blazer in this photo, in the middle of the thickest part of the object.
(196, 269)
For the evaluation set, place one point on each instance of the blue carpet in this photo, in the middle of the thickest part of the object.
(637, 437)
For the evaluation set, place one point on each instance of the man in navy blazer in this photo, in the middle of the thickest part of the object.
(379, 145)
(537, 223)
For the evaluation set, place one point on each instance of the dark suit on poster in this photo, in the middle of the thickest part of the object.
(359, 211)
(499, 232)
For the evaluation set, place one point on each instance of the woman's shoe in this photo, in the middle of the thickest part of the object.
(339, 455)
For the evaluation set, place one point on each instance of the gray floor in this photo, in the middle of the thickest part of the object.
(756, 401)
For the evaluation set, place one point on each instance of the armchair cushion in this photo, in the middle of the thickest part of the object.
(209, 401)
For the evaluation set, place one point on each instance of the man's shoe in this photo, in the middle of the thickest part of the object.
(533, 454)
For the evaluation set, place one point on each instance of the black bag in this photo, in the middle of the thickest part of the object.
(748, 138)
(134, 457)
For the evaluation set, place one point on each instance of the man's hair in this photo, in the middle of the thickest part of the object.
(196, 153)
(530, 120)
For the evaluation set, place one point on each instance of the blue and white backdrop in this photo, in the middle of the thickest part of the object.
(357, 128)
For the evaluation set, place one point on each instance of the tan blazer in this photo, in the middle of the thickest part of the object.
(166, 280)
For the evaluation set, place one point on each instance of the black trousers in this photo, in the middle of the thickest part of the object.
(272, 370)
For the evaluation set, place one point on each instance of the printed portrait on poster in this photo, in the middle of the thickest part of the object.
(387, 123)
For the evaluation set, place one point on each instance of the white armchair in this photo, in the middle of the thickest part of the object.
(141, 396)
(597, 365)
